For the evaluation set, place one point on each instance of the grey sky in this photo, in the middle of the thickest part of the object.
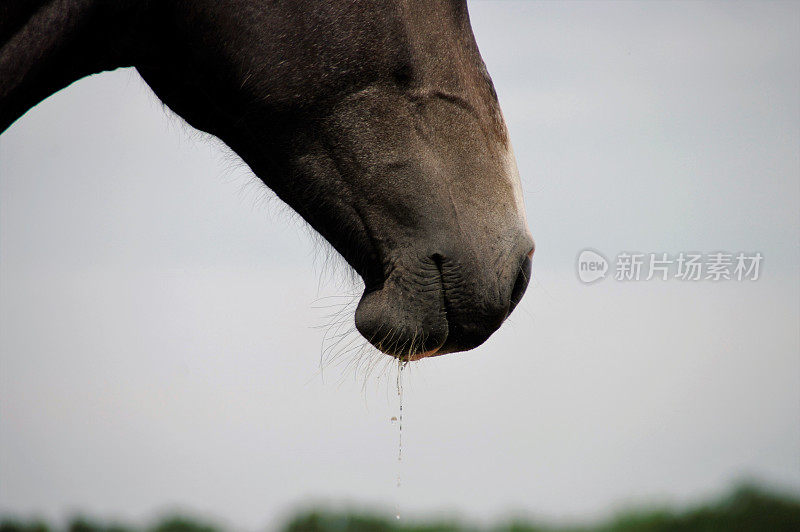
(157, 307)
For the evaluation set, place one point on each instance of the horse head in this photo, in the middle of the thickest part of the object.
(377, 121)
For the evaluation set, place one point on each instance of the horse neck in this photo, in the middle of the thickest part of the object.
(47, 44)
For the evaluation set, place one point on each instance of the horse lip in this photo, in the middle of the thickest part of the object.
(426, 354)
(426, 314)
(437, 259)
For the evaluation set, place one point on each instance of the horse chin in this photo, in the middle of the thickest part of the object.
(406, 324)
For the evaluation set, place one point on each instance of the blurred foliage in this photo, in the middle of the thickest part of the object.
(747, 508)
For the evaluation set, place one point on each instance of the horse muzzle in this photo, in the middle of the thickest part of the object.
(443, 302)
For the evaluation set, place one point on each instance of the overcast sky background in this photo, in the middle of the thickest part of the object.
(158, 346)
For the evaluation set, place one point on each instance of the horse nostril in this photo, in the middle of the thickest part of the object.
(521, 282)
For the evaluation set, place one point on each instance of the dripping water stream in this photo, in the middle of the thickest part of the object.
(399, 419)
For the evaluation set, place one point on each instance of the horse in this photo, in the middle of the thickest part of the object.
(375, 120)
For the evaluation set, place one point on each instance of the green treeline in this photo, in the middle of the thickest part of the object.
(747, 508)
